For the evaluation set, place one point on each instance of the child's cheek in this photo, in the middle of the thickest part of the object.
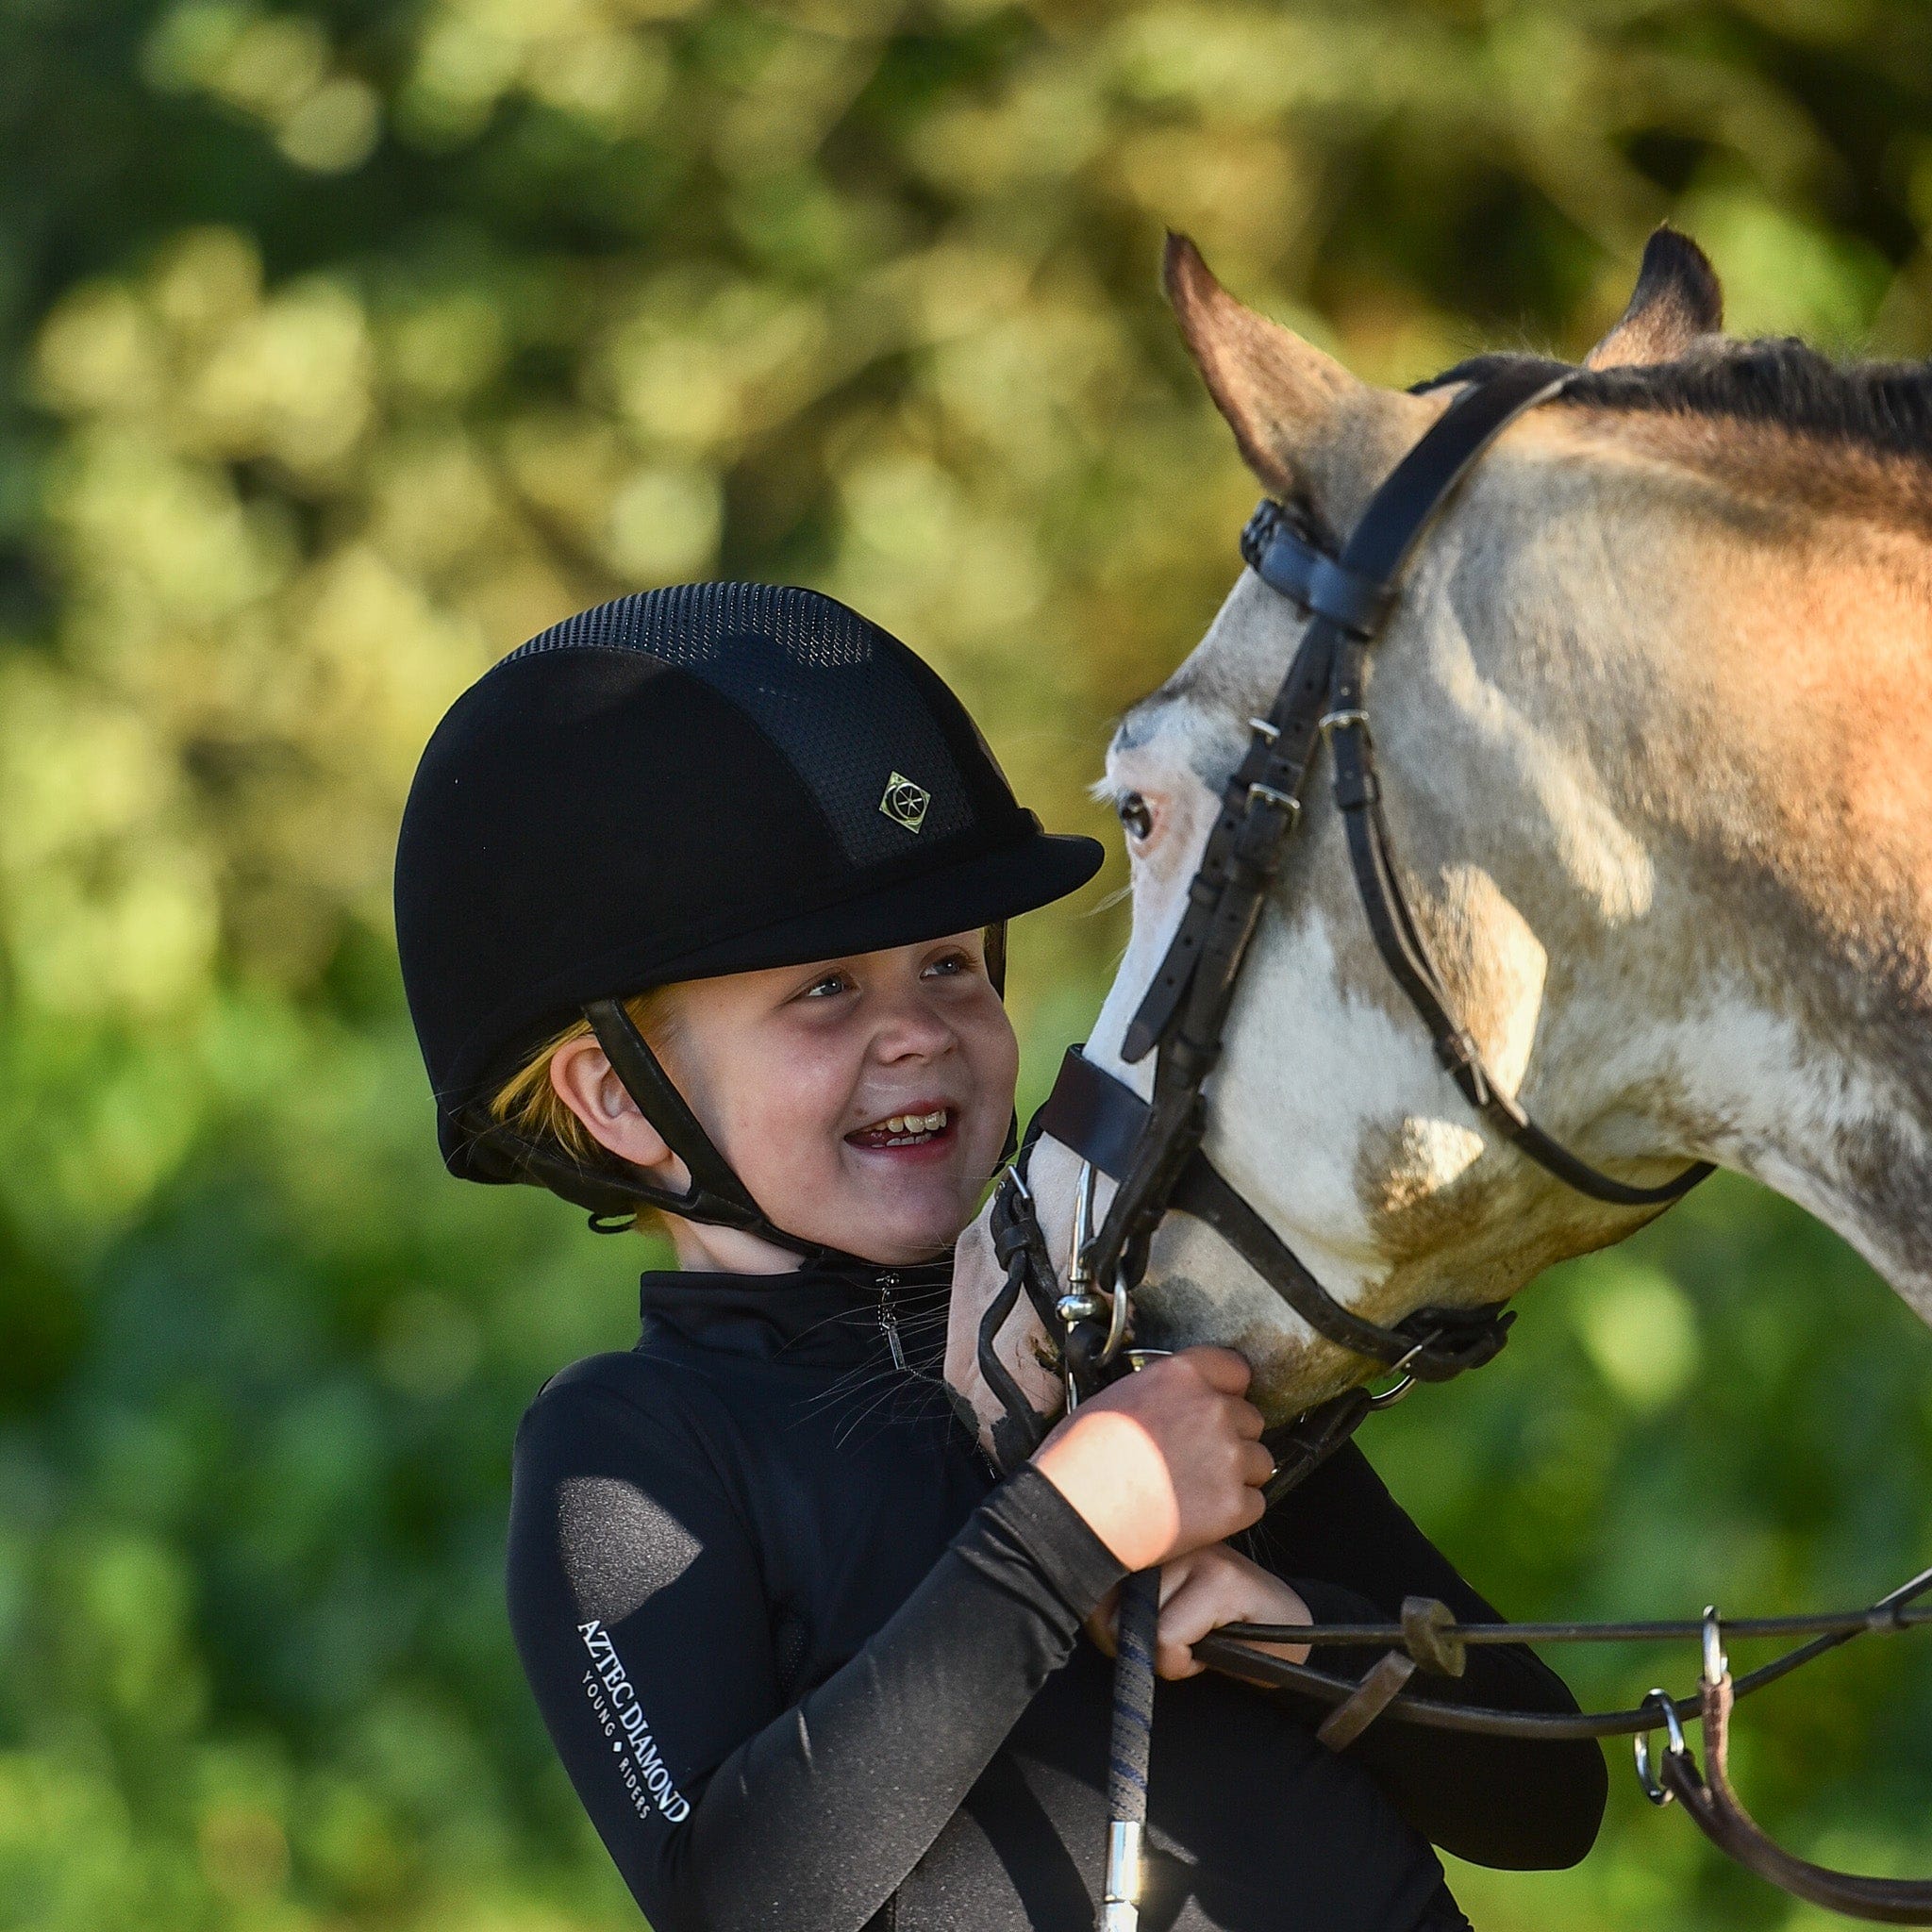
(784, 1139)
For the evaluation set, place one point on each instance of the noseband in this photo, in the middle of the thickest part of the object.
(1153, 1150)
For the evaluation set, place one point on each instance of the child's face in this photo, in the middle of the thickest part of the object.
(798, 1072)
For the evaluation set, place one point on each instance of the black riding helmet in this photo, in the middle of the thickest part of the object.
(705, 779)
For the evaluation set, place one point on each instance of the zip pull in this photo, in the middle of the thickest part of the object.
(889, 1319)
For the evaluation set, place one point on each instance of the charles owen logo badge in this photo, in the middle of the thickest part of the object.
(905, 803)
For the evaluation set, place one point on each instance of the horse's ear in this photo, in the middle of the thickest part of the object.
(1283, 398)
(1678, 299)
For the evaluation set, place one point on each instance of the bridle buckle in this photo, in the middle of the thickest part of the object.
(1282, 801)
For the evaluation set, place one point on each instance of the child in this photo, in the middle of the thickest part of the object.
(700, 900)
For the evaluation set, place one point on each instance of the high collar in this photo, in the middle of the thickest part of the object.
(821, 1313)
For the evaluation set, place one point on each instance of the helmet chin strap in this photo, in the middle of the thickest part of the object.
(716, 1195)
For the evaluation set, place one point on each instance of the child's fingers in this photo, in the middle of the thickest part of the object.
(1196, 1608)
(1175, 1661)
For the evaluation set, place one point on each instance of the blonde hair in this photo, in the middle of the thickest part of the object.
(532, 1109)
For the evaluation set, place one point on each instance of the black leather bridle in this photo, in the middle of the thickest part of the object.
(1153, 1150)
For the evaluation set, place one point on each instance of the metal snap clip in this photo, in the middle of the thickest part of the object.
(1646, 1778)
(1119, 1315)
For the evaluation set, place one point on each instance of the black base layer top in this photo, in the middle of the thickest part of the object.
(810, 1664)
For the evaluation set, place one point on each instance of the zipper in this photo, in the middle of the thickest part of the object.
(888, 1319)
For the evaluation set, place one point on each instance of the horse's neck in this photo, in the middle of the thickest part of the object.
(1807, 1061)
(1783, 786)
(1809, 1112)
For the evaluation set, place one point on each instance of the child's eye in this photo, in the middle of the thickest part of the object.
(824, 988)
(952, 964)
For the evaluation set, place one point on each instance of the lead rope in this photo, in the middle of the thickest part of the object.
(1137, 1608)
(1137, 1612)
(1136, 1623)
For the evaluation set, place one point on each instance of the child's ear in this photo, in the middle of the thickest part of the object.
(585, 1081)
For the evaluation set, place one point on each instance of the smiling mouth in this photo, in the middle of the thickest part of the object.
(916, 1130)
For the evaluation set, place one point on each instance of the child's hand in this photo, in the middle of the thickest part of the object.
(1201, 1592)
(1164, 1462)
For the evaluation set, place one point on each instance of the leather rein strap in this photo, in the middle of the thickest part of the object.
(1428, 1638)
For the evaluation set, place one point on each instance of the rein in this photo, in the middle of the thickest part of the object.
(1429, 1639)
(1151, 1149)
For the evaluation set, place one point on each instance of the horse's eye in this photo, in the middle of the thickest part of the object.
(1134, 815)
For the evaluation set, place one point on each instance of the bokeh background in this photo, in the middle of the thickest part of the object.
(347, 344)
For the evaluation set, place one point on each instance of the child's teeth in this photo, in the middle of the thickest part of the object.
(913, 1122)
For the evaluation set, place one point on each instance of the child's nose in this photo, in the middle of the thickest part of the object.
(915, 1026)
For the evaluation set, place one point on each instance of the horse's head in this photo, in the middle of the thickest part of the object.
(1652, 719)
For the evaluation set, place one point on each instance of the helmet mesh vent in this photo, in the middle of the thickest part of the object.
(827, 688)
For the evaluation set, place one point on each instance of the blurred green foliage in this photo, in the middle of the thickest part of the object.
(347, 344)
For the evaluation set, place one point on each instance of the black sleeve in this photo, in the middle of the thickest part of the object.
(1354, 1554)
(638, 1609)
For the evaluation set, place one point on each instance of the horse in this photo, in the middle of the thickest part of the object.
(1652, 721)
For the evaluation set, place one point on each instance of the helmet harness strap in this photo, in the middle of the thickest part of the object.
(716, 1195)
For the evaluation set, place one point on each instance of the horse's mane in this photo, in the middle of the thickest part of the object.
(1777, 381)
